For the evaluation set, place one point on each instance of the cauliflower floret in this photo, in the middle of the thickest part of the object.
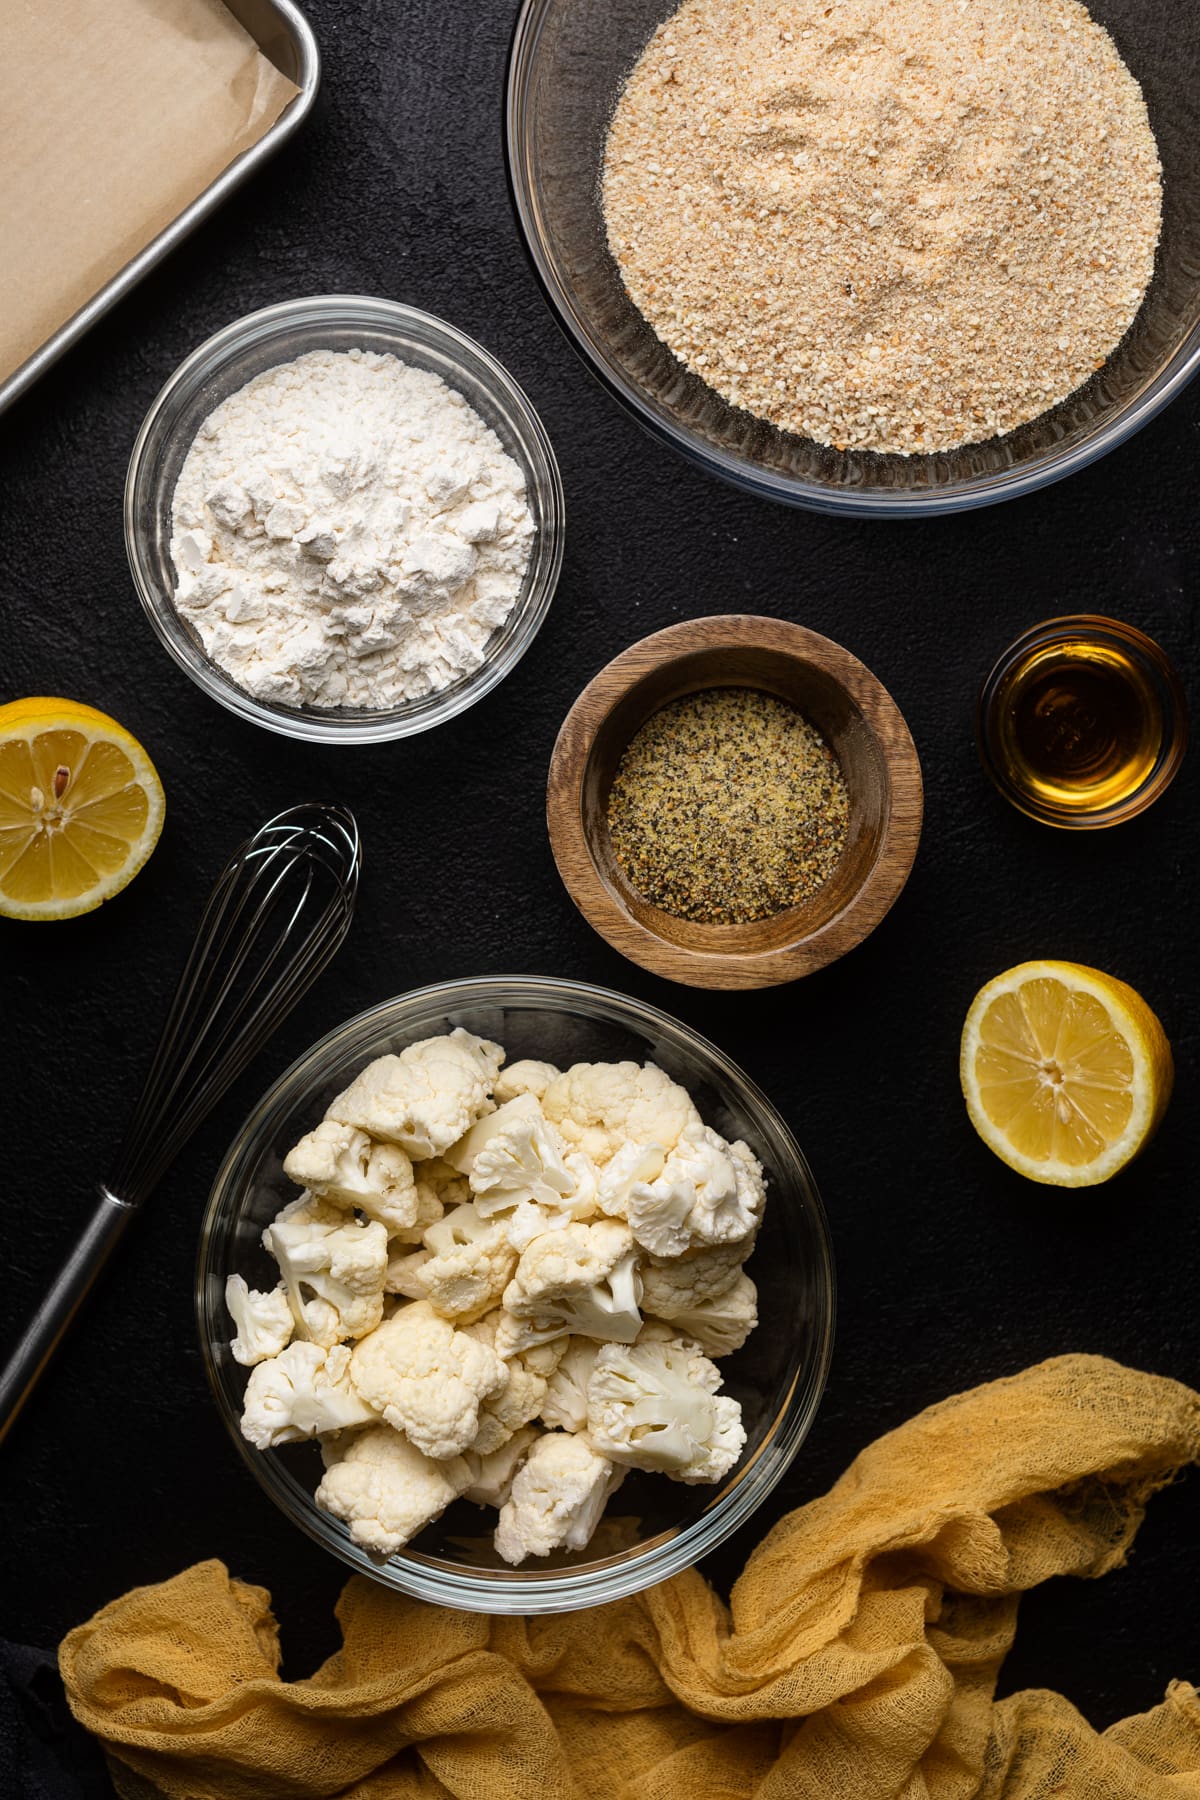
(460, 1155)
(565, 1405)
(674, 1284)
(512, 1156)
(581, 1279)
(437, 1187)
(425, 1098)
(722, 1324)
(427, 1379)
(543, 1359)
(302, 1392)
(656, 1406)
(557, 1498)
(333, 1268)
(516, 1337)
(469, 1264)
(751, 1183)
(513, 1405)
(600, 1106)
(264, 1321)
(534, 1217)
(444, 1183)
(385, 1490)
(567, 1260)
(492, 1475)
(632, 1166)
(527, 1077)
(342, 1165)
(705, 1195)
(429, 1211)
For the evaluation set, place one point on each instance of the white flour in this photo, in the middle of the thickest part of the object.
(347, 531)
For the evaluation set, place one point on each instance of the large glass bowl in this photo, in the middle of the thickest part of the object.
(278, 334)
(655, 1526)
(569, 61)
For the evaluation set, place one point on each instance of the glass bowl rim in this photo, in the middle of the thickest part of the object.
(1026, 477)
(545, 1591)
(1152, 656)
(544, 483)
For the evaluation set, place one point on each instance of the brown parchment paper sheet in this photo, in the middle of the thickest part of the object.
(114, 116)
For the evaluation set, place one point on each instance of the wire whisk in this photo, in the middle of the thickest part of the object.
(278, 913)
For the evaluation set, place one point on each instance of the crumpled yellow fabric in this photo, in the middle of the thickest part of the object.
(857, 1659)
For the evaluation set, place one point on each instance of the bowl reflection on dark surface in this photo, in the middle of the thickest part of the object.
(570, 59)
(655, 1526)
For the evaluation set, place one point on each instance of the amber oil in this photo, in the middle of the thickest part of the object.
(1082, 722)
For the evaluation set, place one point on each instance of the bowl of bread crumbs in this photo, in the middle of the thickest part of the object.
(869, 256)
(734, 802)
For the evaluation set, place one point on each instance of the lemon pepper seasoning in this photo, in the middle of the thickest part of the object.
(728, 806)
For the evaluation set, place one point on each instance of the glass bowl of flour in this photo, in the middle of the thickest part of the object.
(344, 519)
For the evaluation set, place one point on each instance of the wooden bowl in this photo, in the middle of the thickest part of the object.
(857, 717)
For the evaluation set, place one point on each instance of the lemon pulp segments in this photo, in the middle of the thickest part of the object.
(80, 810)
(1053, 1074)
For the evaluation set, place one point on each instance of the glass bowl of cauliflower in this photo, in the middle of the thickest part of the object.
(516, 1294)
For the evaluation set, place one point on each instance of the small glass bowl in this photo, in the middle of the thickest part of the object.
(654, 1527)
(569, 62)
(1082, 638)
(278, 334)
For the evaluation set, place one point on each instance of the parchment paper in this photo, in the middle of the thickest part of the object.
(114, 116)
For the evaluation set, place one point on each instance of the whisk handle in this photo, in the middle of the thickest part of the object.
(45, 1330)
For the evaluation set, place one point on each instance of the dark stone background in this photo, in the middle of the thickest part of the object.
(952, 1270)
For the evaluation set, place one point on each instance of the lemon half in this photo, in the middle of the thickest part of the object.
(1066, 1072)
(81, 808)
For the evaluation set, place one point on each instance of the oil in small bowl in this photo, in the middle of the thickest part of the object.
(1082, 723)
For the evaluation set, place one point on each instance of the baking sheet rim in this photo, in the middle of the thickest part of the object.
(293, 115)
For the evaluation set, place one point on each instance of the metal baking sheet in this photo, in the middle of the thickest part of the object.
(285, 37)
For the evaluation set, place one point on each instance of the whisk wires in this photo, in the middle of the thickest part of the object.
(276, 916)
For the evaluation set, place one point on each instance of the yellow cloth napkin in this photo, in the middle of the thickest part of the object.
(856, 1661)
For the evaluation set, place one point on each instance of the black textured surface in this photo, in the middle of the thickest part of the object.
(952, 1270)
(44, 1754)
